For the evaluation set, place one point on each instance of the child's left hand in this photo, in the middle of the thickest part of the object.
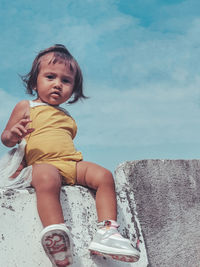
(20, 168)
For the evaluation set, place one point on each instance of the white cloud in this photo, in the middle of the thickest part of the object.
(139, 117)
(7, 104)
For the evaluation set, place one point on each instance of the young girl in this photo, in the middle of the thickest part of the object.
(49, 130)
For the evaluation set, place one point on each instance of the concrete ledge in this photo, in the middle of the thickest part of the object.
(20, 226)
(163, 195)
(167, 197)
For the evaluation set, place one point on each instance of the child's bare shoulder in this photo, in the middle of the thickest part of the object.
(21, 108)
(22, 104)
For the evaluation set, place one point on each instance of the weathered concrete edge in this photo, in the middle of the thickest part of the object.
(127, 168)
(123, 171)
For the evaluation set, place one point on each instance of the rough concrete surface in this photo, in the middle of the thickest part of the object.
(20, 226)
(167, 197)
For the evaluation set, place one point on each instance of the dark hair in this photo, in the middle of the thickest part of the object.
(60, 52)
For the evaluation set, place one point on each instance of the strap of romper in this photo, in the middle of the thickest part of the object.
(35, 104)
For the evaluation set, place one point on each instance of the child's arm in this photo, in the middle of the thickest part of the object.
(16, 128)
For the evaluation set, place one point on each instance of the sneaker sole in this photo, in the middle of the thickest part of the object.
(114, 251)
(117, 257)
(59, 230)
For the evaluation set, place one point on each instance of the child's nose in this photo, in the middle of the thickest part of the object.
(58, 84)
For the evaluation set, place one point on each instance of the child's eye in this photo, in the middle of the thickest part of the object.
(50, 77)
(66, 81)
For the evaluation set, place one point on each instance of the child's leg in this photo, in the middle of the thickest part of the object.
(98, 178)
(55, 237)
(107, 241)
(47, 183)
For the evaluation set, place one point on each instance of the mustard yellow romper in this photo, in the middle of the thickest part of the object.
(52, 140)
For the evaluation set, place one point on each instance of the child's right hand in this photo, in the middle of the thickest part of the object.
(19, 131)
(17, 126)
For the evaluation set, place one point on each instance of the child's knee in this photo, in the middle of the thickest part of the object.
(106, 177)
(46, 178)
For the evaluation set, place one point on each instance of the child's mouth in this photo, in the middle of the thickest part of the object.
(55, 94)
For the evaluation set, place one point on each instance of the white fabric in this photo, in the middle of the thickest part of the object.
(9, 163)
(35, 104)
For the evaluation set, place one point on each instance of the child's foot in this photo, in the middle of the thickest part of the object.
(56, 243)
(109, 243)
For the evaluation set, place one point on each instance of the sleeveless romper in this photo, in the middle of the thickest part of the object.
(52, 140)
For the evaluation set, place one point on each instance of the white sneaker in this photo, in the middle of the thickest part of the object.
(55, 240)
(109, 243)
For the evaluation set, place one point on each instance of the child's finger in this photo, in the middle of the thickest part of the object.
(24, 122)
(21, 128)
(30, 130)
(17, 132)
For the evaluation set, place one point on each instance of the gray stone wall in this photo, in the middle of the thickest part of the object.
(167, 197)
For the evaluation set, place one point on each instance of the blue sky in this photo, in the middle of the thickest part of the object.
(140, 61)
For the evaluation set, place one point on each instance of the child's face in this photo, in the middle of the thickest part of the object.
(55, 82)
